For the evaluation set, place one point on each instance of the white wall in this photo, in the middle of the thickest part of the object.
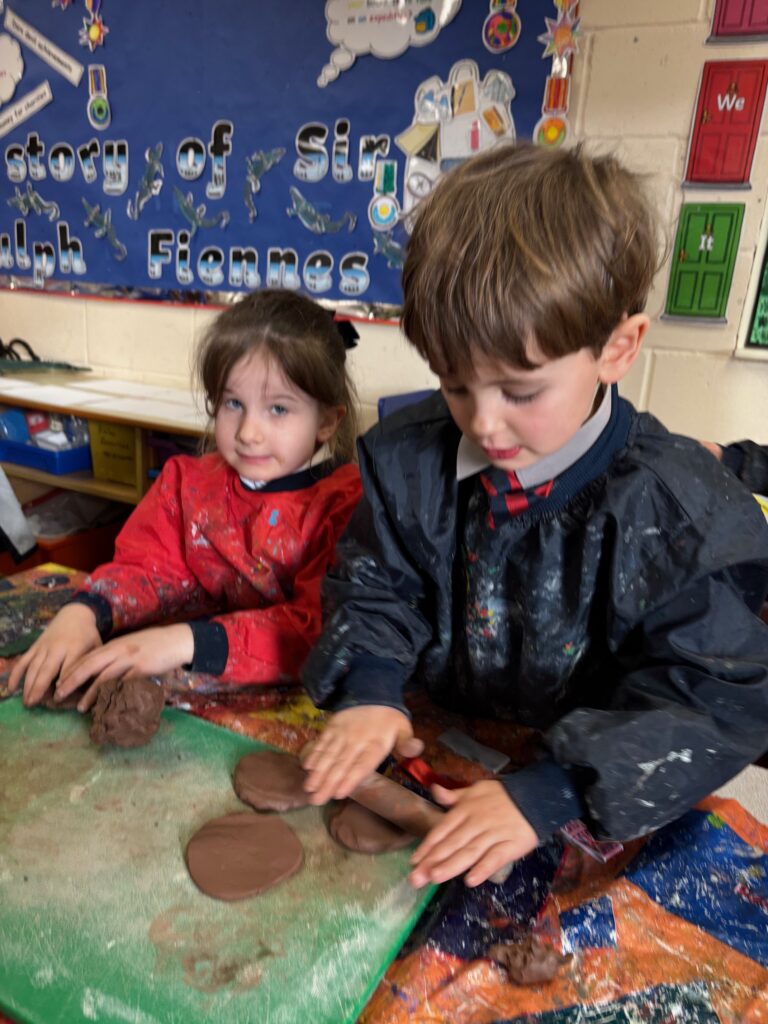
(635, 87)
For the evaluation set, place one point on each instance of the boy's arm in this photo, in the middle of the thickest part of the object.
(749, 461)
(689, 709)
(374, 627)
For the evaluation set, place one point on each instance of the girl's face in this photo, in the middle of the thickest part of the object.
(265, 426)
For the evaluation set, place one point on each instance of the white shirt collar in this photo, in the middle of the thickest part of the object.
(471, 459)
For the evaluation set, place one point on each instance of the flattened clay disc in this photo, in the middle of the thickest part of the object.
(271, 781)
(127, 712)
(363, 831)
(240, 855)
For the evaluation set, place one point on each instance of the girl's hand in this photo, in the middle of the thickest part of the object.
(66, 638)
(147, 652)
(483, 831)
(353, 744)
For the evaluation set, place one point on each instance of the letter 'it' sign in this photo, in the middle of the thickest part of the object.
(727, 121)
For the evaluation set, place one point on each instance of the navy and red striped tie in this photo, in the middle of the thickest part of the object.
(507, 496)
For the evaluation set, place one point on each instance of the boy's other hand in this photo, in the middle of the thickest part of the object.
(714, 449)
(147, 652)
(353, 744)
(71, 634)
(482, 831)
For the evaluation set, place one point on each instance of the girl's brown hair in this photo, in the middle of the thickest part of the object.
(302, 339)
(523, 243)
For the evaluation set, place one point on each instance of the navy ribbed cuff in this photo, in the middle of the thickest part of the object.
(100, 607)
(373, 680)
(211, 648)
(545, 794)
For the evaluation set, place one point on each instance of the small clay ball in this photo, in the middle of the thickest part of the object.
(529, 962)
(127, 712)
(359, 829)
(271, 781)
(240, 855)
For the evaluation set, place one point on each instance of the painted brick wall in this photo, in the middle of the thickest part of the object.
(636, 82)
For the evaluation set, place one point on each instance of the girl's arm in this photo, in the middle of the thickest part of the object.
(149, 580)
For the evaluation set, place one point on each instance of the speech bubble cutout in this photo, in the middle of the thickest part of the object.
(11, 66)
(386, 29)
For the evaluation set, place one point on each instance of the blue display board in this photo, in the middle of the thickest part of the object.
(182, 148)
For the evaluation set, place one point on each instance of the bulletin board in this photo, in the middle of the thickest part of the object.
(180, 150)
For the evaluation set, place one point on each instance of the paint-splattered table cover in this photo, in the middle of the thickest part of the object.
(672, 931)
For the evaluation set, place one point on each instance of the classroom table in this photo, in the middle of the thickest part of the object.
(672, 929)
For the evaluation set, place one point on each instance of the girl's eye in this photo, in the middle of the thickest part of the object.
(232, 403)
(519, 399)
(278, 410)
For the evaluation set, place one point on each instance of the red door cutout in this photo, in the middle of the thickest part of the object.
(740, 18)
(727, 121)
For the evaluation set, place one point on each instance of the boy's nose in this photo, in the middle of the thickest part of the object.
(483, 422)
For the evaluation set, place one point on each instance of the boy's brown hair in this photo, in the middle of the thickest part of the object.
(523, 243)
(303, 340)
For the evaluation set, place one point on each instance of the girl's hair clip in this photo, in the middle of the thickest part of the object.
(349, 335)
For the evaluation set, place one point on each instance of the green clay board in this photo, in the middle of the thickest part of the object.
(99, 920)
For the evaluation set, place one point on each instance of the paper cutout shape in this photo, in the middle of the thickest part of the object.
(11, 66)
(453, 120)
(386, 30)
(703, 259)
(727, 121)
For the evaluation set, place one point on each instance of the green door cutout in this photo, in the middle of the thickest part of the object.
(703, 258)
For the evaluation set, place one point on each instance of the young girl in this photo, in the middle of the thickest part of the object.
(230, 547)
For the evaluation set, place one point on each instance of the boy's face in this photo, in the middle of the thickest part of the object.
(519, 416)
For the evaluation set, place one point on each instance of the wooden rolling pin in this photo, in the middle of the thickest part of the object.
(407, 810)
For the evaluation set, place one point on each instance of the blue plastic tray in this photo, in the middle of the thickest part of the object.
(69, 460)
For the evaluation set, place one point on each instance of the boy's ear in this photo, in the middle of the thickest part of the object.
(330, 418)
(621, 349)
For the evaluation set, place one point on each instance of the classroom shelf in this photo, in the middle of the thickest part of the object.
(82, 482)
(143, 409)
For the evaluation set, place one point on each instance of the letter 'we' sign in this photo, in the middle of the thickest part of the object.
(727, 121)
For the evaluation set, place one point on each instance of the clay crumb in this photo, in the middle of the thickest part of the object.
(529, 962)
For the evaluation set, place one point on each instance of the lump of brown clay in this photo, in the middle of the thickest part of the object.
(240, 855)
(127, 712)
(271, 781)
(529, 962)
(361, 830)
(49, 701)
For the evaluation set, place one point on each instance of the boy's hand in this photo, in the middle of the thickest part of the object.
(483, 831)
(353, 744)
(714, 449)
(147, 652)
(67, 637)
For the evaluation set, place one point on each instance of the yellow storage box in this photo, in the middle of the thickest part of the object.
(113, 450)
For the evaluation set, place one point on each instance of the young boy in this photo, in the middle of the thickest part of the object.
(530, 546)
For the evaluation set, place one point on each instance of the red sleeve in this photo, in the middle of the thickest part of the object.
(270, 645)
(149, 580)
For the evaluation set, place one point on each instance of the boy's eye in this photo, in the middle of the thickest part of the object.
(278, 410)
(519, 399)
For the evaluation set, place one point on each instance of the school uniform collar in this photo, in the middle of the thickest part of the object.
(297, 481)
(471, 459)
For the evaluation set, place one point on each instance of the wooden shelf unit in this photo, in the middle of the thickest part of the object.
(83, 481)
